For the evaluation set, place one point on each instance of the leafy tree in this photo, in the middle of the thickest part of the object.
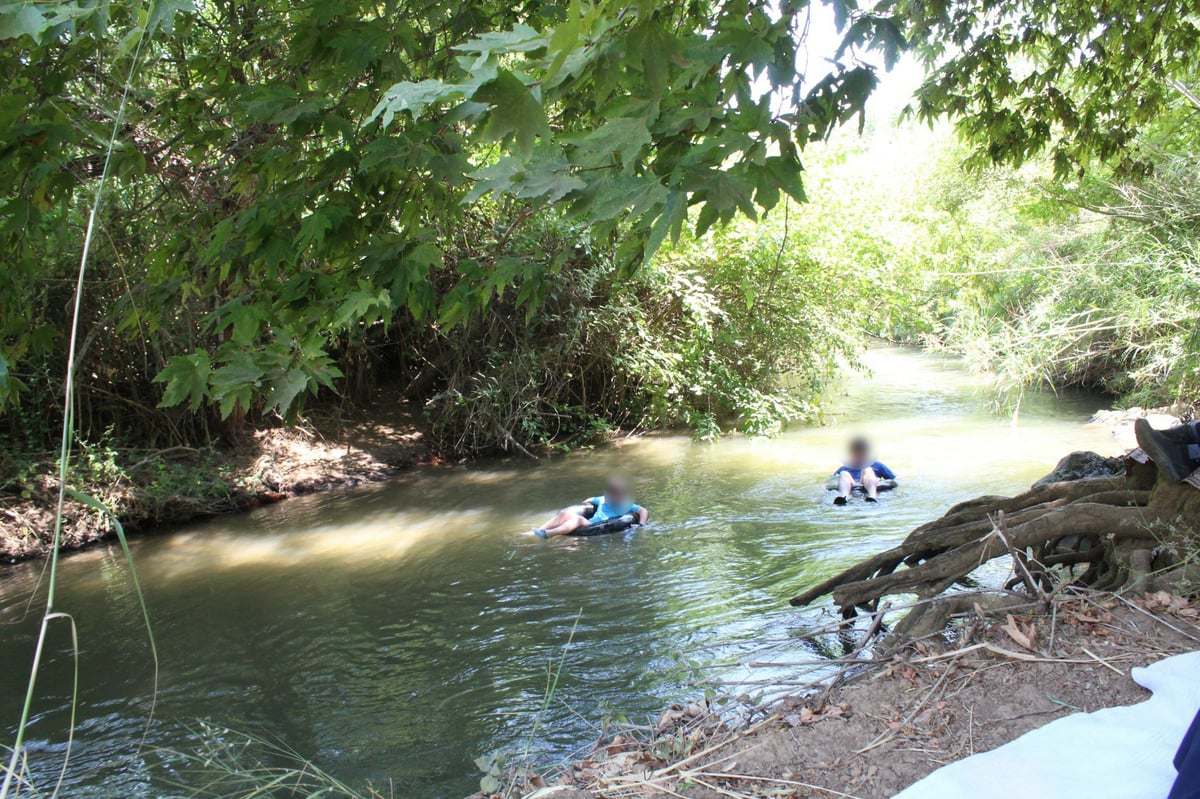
(1079, 79)
(293, 179)
(642, 112)
(321, 195)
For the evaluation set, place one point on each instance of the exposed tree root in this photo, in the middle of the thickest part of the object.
(1125, 532)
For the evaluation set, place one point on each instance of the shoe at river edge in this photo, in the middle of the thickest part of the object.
(839, 500)
(1167, 448)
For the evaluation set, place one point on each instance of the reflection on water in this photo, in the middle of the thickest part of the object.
(399, 630)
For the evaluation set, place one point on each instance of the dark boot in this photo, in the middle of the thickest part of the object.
(1176, 452)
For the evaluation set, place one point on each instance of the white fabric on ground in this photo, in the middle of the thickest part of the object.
(1115, 753)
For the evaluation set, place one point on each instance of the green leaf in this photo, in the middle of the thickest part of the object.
(6, 386)
(615, 193)
(313, 229)
(284, 388)
(235, 383)
(187, 378)
(362, 304)
(623, 138)
(519, 39)
(22, 19)
(514, 112)
(548, 177)
(787, 172)
(653, 47)
(671, 221)
(163, 13)
(414, 98)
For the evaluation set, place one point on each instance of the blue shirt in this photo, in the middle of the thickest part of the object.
(606, 510)
(881, 471)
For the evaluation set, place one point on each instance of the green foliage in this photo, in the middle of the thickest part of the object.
(1091, 283)
(291, 189)
(313, 200)
(636, 113)
(1076, 79)
(1112, 306)
(732, 330)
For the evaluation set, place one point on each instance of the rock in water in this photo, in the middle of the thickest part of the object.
(1082, 466)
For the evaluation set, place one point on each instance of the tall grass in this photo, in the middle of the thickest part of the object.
(232, 764)
(1109, 301)
(1092, 283)
(16, 772)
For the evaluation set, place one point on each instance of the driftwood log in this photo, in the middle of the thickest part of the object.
(1122, 531)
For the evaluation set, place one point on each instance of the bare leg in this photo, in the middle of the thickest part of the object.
(559, 519)
(870, 484)
(570, 524)
(845, 486)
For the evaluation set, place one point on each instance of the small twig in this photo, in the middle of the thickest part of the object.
(160, 454)
(1053, 626)
(1158, 619)
(773, 780)
(996, 650)
(1102, 661)
(971, 731)
(1034, 587)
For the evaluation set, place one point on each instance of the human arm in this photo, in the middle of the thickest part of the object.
(642, 514)
(882, 471)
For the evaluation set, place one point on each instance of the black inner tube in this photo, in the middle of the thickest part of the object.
(607, 526)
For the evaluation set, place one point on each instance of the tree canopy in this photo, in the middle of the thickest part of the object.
(306, 191)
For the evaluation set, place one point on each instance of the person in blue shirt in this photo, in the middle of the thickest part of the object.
(617, 500)
(860, 471)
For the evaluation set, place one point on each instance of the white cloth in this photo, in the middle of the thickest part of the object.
(1115, 753)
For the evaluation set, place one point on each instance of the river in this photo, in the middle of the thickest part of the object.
(397, 631)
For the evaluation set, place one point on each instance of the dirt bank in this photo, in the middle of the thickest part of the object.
(170, 486)
(873, 734)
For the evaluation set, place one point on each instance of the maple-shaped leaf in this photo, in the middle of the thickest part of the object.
(514, 112)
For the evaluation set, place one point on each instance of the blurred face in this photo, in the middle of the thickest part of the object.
(859, 452)
(617, 491)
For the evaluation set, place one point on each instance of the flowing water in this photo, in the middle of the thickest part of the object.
(397, 631)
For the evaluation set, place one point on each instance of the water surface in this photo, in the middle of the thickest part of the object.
(397, 631)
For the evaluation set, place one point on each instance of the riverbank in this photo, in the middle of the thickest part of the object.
(873, 731)
(161, 488)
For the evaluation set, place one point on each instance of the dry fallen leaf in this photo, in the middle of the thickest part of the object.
(1023, 637)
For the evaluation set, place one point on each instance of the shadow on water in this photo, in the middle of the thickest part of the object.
(399, 630)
